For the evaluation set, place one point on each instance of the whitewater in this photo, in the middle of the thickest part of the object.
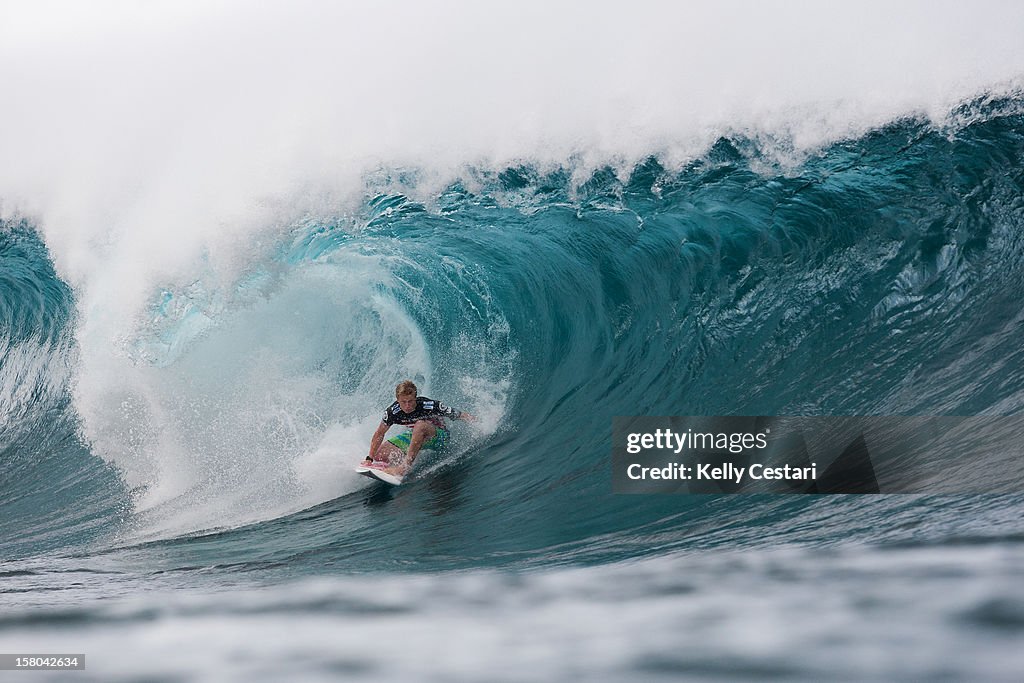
(227, 232)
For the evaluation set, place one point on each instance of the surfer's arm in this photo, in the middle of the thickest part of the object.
(378, 438)
(448, 411)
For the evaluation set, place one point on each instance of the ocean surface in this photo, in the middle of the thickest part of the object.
(178, 426)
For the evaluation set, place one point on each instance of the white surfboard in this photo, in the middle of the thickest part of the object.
(376, 471)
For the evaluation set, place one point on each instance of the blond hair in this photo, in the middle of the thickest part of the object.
(405, 388)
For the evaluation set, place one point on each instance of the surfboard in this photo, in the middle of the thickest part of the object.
(375, 470)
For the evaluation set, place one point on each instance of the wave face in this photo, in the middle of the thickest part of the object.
(880, 276)
(53, 492)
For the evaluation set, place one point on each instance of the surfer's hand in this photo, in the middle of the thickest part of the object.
(467, 417)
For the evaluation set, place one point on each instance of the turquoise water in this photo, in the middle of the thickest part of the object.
(196, 496)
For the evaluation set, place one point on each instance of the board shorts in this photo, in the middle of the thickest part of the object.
(405, 438)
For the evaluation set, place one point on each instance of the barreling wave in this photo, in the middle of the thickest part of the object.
(880, 275)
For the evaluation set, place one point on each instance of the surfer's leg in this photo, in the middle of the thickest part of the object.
(421, 431)
(390, 453)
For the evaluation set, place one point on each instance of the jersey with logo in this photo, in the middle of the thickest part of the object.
(426, 409)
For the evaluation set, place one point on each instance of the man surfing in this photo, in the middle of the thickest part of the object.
(429, 429)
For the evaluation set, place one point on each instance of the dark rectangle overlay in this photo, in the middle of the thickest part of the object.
(782, 454)
(42, 662)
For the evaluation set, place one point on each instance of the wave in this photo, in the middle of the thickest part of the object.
(878, 276)
(53, 492)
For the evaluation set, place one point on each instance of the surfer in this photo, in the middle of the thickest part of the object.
(429, 429)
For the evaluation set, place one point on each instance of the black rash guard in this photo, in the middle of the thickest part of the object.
(426, 409)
